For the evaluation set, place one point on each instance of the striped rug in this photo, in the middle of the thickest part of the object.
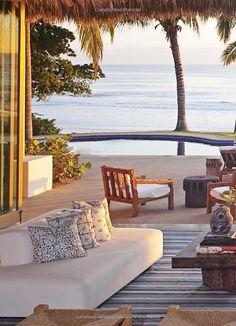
(153, 291)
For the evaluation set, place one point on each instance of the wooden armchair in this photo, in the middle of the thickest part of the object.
(214, 190)
(229, 157)
(123, 186)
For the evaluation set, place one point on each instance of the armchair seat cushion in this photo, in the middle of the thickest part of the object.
(152, 190)
(216, 192)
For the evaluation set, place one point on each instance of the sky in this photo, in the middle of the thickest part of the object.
(133, 45)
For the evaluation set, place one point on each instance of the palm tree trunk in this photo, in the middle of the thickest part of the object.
(28, 88)
(181, 148)
(181, 121)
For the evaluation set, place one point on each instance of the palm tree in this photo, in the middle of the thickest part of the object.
(28, 86)
(224, 28)
(171, 27)
(91, 43)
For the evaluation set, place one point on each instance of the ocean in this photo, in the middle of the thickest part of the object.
(143, 98)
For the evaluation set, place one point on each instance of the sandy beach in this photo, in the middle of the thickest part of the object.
(156, 212)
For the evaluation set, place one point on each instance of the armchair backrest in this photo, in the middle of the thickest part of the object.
(229, 157)
(234, 179)
(119, 184)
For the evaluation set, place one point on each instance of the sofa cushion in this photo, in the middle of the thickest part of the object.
(84, 225)
(99, 219)
(152, 190)
(55, 243)
(216, 192)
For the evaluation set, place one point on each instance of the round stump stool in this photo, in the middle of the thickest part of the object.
(196, 189)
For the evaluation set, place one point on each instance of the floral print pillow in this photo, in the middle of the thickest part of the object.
(99, 219)
(96, 203)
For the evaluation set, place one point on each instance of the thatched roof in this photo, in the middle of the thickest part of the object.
(85, 10)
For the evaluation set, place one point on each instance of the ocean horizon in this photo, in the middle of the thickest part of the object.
(143, 98)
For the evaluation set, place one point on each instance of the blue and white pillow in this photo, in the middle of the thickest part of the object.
(84, 224)
(52, 243)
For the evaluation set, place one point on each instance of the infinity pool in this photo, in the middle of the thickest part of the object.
(143, 147)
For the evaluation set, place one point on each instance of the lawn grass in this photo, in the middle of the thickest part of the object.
(217, 133)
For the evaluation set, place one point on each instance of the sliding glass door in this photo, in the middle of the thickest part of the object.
(11, 104)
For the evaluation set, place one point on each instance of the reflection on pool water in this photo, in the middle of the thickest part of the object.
(143, 147)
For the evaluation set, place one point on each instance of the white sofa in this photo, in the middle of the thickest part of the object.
(73, 283)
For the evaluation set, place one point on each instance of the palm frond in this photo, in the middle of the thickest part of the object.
(142, 23)
(224, 27)
(229, 54)
(110, 28)
(91, 41)
(192, 22)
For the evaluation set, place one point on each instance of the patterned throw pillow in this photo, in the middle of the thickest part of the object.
(97, 203)
(52, 243)
(99, 219)
(104, 202)
(84, 225)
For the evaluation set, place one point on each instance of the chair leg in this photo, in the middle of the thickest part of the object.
(135, 210)
(209, 205)
(171, 202)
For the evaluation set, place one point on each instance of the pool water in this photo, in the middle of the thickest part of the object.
(143, 147)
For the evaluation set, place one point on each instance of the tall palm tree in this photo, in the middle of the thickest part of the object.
(171, 28)
(225, 26)
(28, 86)
(91, 43)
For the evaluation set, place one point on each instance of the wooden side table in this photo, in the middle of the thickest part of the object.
(195, 188)
(218, 271)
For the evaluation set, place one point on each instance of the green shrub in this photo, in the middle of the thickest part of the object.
(66, 164)
(43, 126)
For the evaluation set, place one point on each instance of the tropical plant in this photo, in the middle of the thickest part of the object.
(171, 28)
(66, 164)
(229, 196)
(43, 126)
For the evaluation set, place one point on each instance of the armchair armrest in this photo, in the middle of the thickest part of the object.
(154, 181)
(141, 177)
(211, 185)
(227, 173)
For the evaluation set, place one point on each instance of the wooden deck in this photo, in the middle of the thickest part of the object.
(90, 187)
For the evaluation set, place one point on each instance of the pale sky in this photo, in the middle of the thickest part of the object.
(133, 45)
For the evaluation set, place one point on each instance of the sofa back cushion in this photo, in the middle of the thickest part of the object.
(16, 247)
